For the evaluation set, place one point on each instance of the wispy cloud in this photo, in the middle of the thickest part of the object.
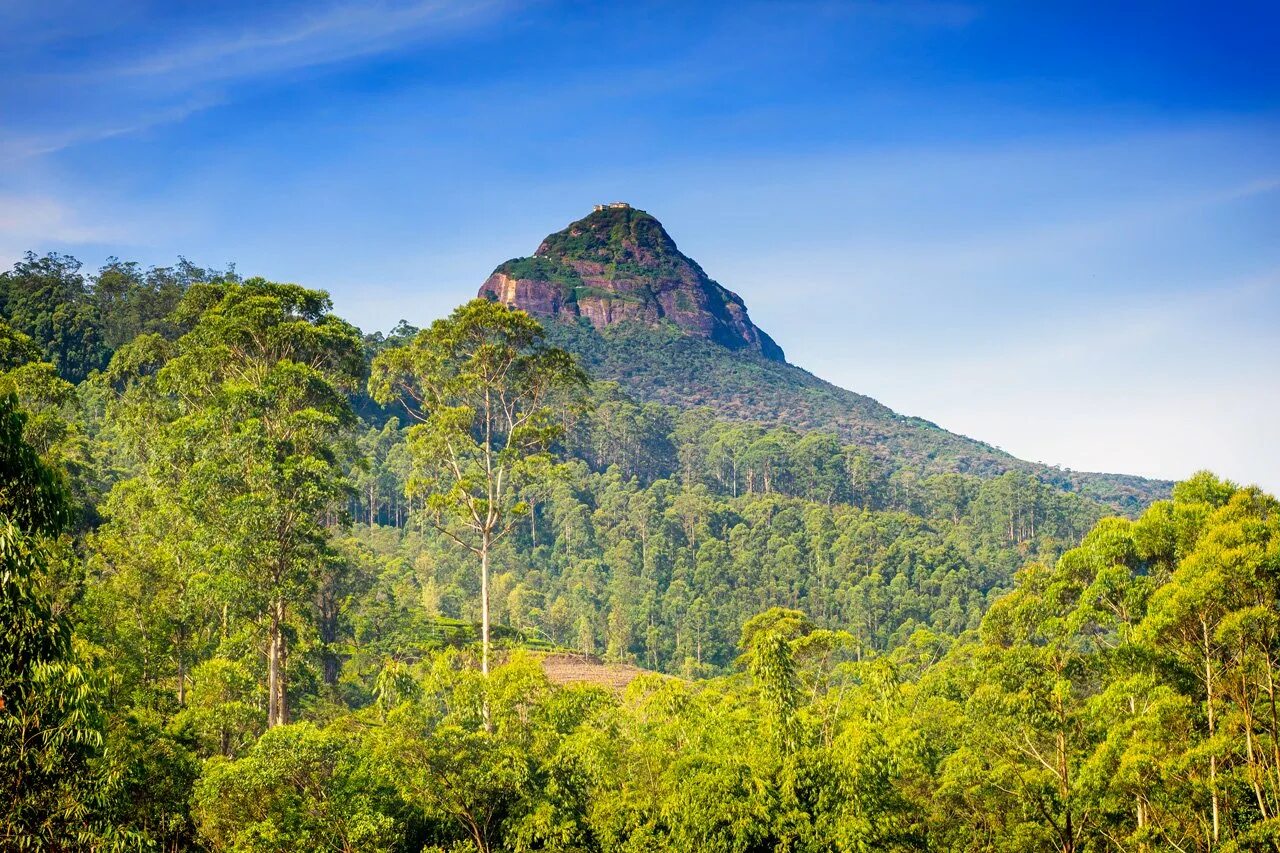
(15, 147)
(196, 70)
(314, 37)
(1024, 243)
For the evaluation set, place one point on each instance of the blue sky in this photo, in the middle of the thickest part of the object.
(1050, 226)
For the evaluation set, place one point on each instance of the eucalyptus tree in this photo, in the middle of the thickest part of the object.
(1215, 620)
(490, 397)
(240, 423)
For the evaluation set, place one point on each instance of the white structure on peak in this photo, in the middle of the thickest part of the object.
(615, 205)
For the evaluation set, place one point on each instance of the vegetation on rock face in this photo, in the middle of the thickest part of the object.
(620, 254)
(232, 616)
(618, 235)
(543, 269)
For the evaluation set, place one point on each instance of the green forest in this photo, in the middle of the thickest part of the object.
(270, 583)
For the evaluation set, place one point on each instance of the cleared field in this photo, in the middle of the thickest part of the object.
(586, 669)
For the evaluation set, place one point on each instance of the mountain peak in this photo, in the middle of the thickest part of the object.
(619, 265)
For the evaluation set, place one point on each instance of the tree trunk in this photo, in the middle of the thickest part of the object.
(484, 624)
(1140, 812)
(484, 607)
(277, 706)
(1257, 771)
(1213, 759)
(329, 632)
(1064, 776)
(273, 671)
(282, 695)
(1274, 727)
(182, 680)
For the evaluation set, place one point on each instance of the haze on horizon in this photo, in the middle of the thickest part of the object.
(1047, 227)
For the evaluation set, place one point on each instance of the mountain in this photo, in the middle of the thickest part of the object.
(614, 289)
(619, 265)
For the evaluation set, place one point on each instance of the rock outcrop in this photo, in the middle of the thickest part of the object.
(618, 264)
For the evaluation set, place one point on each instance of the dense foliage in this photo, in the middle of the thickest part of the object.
(77, 321)
(234, 613)
(664, 572)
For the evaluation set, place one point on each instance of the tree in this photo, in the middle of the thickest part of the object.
(220, 710)
(241, 422)
(820, 464)
(1027, 709)
(33, 495)
(154, 594)
(49, 721)
(490, 396)
(131, 302)
(298, 788)
(766, 644)
(475, 778)
(1216, 620)
(53, 412)
(16, 348)
(48, 299)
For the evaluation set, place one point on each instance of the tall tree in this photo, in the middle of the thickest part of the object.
(766, 644)
(252, 411)
(490, 397)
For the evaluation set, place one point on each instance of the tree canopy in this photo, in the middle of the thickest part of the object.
(267, 583)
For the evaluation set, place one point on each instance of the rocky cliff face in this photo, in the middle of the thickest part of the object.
(619, 264)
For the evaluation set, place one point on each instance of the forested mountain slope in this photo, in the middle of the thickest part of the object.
(243, 622)
(614, 289)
